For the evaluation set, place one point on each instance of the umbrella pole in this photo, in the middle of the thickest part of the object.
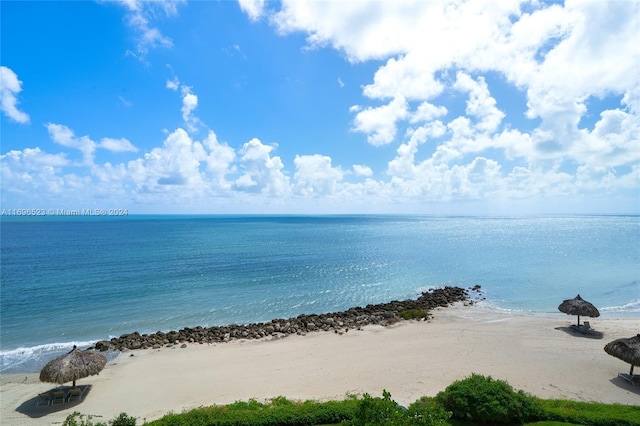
(631, 371)
(74, 383)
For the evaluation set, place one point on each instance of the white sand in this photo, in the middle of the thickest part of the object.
(537, 354)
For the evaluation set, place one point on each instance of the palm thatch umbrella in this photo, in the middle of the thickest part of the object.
(578, 306)
(627, 350)
(72, 366)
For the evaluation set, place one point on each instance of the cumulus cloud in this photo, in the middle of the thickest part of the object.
(65, 137)
(362, 170)
(117, 145)
(189, 103)
(253, 8)
(380, 122)
(10, 86)
(262, 173)
(315, 176)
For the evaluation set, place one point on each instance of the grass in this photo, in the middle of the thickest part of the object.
(284, 412)
(412, 314)
(589, 413)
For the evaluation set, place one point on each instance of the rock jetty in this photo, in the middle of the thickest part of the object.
(338, 322)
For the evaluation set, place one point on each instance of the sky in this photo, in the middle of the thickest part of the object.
(321, 107)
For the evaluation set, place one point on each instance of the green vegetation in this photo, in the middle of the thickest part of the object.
(411, 314)
(385, 411)
(278, 411)
(588, 413)
(78, 419)
(485, 400)
(474, 400)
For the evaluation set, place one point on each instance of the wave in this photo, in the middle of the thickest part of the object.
(32, 359)
(630, 307)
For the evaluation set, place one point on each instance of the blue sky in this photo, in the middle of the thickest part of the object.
(445, 107)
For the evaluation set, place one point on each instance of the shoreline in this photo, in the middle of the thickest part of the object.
(410, 359)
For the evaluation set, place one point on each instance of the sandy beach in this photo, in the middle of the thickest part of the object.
(540, 355)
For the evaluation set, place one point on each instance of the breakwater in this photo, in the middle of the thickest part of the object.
(339, 322)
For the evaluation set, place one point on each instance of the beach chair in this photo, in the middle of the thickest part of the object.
(76, 393)
(634, 379)
(58, 397)
(44, 399)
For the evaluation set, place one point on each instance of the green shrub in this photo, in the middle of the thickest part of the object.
(276, 412)
(590, 413)
(409, 314)
(123, 420)
(485, 400)
(78, 419)
(385, 412)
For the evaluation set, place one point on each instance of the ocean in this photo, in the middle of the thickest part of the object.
(79, 279)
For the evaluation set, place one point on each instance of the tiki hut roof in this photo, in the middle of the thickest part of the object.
(73, 366)
(578, 306)
(628, 349)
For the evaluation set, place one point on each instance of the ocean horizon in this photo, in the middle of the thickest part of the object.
(76, 279)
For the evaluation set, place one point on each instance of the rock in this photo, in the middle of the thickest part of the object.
(354, 318)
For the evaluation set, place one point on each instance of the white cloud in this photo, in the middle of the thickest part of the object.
(480, 103)
(253, 8)
(173, 84)
(64, 136)
(380, 122)
(117, 145)
(10, 86)
(261, 173)
(362, 170)
(315, 176)
(175, 164)
(32, 171)
(189, 103)
(140, 17)
(427, 112)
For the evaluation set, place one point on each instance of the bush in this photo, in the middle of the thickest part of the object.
(590, 413)
(78, 419)
(123, 420)
(409, 314)
(385, 412)
(277, 412)
(485, 400)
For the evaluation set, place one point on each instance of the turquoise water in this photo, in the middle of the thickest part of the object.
(67, 280)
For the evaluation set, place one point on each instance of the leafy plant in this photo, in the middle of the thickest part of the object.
(486, 400)
(385, 411)
(123, 420)
(409, 314)
(78, 419)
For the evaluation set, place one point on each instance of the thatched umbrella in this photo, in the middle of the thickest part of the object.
(72, 366)
(627, 350)
(578, 306)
